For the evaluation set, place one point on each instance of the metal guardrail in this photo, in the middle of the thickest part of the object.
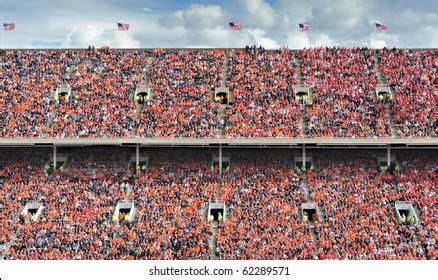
(432, 141)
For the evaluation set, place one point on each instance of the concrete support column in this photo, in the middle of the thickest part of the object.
(388, 156)
(137, 157)
(304, 155)
(220, 160)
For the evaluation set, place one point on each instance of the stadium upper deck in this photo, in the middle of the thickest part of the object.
(237, 96)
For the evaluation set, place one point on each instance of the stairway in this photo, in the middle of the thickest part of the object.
(221, 130)
(225, 69)
(139, 107)
(394, 132)
(311, 223)
(128, 192)
(300, 82)
(306, 188)
(382, 81)
(52, 114)
(223, 108)
(212, 242)
(218, 190)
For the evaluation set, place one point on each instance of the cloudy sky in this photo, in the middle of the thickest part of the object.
(204, 23)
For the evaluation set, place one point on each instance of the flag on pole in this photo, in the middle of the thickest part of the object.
(122, 26)
(235, 25)
(8, 26)
(381, 26)
(304, 27)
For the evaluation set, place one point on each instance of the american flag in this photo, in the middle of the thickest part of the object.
(8, 26)
(235, 25)
(304, 27)
(123, 26)
(381, 26)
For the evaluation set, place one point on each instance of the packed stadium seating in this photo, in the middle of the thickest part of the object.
(262, 103)
(21, 177)
(181, 106)
(26, 79)
(169, 197)
(100, 105)
(357, 201)
(103, 82)
(343, 82)
(76, 223)
(262, 191)
(417, 184)
(415, 80)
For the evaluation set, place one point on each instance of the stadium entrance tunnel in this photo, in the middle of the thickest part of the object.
(143, 163)
(142, 94)
(62, 93)
(302, 95)
(222, 95)
(406, 214)
(309, 212)
(216, 212)
(61, 163)
(384, 167)
(384, 93)
(226, 163)
(305, 166)
(32, 211)
(124, 212)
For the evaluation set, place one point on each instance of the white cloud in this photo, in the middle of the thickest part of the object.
(261, 39)
(270, 23)
(377, 44)
(84, 36)
(194, 17)
(297, 40)
(323, 40)
(219, 37)
(383, 39)
(260, 13)
(293, 12)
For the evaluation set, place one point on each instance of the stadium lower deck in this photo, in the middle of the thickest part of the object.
(264, 203)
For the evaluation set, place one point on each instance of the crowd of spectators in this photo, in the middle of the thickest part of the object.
(359, 220)
(262, 104)
(413, 76)
(170, 196)
(417, 185)
(182, 82)
(343, 81)
(103, 82)
(76, 218)
(21, 174)
(26, 80)
(263, 194)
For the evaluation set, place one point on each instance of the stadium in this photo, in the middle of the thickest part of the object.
(169, 154)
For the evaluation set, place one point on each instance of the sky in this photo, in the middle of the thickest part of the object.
(204, 23)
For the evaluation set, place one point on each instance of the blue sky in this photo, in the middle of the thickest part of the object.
(203, 23)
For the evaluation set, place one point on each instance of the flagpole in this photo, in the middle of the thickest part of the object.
(297, 39)
(229, 32)
(3, 38)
